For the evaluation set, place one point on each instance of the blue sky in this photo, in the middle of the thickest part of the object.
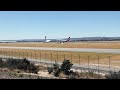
(58, 24)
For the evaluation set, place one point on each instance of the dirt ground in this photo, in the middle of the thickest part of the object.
(6, 73)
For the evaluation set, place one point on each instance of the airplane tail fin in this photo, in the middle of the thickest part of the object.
(68, 39)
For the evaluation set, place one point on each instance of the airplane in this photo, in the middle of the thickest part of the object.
(64, 40)
(47, 41)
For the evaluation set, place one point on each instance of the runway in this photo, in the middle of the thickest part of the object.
(112, 51)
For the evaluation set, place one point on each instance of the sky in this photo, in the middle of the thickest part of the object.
(16, 25)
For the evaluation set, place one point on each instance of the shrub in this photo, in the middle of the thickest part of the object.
(32, 68)
(22, 64)
(1, 60)
(2, 63)
(56, 66)
(55, 69)
(74, 75)
(50, 69)
(113, 75)
(65, 68)
(57, 72)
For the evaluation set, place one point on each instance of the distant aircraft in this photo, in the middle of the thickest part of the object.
(64, 40)
(47, 41)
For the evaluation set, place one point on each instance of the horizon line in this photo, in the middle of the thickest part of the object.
(62, 38)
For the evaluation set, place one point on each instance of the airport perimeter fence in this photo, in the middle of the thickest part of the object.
(97, 64)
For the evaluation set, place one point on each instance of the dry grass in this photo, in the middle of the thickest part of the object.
(75, 57)
(107, 44)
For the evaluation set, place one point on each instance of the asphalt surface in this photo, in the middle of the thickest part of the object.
(112, 51)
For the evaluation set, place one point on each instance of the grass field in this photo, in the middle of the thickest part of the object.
(75, 57)
(98, 44)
